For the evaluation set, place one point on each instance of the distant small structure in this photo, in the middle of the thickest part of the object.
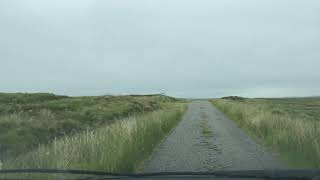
(137, 95)
(234, 98)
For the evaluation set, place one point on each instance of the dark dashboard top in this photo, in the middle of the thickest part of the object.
(312, 174)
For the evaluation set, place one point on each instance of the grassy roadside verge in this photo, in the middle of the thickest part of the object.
(27, 120)
(296, 139)
(115, 148)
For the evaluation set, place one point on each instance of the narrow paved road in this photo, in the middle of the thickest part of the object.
(206, 140)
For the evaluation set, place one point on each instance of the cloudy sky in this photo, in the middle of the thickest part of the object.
(185, 48)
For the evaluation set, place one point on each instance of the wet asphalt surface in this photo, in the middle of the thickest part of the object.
(206, 140)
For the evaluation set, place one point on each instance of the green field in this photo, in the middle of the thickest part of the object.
(302, 108)
(27, 120)
(291, 126)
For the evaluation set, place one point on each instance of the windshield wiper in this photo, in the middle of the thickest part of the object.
(262, 174)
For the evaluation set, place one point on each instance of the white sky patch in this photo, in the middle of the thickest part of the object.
(187, 48)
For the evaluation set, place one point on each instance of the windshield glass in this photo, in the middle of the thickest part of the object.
(136, 86)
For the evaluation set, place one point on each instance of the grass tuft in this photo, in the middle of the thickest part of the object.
(207, 131)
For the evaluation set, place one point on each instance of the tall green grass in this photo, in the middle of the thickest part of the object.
(118, 147)
(297, 140)
(29, 119)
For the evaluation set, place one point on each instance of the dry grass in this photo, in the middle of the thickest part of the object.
(29, 119)
(114, 148)
(296, 139)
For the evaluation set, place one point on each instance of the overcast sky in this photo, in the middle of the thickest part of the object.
(185, 48)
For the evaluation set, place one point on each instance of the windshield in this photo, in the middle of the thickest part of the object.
(143, 86)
